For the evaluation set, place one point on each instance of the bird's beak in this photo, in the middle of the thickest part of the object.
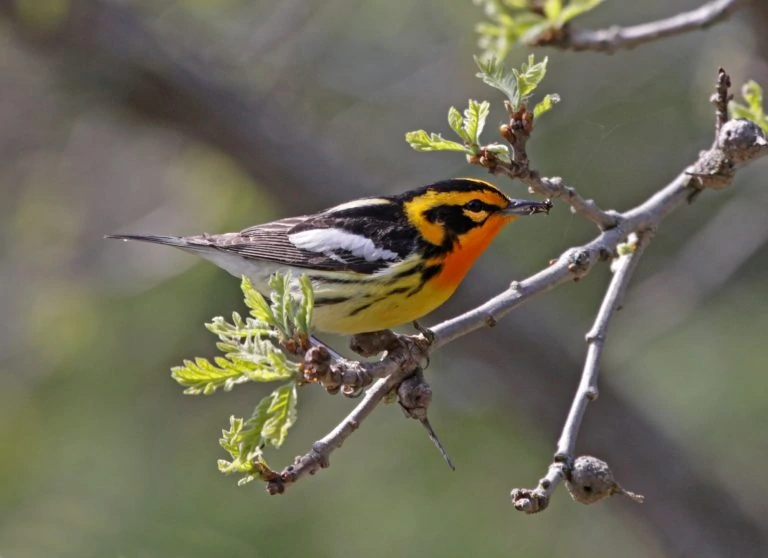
(525, 207)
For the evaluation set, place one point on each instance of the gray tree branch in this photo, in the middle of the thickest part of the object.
(738, 142)
(616, 38)
(588, 390)
(536, 500)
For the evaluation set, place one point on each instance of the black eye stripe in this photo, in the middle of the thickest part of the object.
(476, 206)
(437, 214)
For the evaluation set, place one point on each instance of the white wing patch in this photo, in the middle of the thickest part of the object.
(328, 241)
(363, 202)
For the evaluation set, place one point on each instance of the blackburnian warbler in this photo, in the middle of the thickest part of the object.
(376, 262)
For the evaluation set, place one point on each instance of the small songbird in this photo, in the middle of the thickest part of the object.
(375, 263)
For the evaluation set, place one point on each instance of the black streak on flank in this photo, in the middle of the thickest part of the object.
(330, 300)
(405, 273)
(426, 275)
(364, 307)
(398, 290)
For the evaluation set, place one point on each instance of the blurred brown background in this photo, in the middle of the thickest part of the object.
(210, 115)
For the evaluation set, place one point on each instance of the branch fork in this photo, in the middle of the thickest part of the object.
(517, 132)
(623, 238)
(403, 358)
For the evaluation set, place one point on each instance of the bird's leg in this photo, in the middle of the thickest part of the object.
(426, 332)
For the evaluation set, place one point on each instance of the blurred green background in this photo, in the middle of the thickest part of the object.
(162, 116)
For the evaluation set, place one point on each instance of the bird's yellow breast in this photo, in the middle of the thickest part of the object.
(385, 301)
(372, 305)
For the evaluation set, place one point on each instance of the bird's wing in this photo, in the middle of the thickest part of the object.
(328, 241)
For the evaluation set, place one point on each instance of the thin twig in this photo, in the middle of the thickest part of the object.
(517, 132)
(720, 99)
(587, 390)
(319, 456)
(614, 38)
(556, 188)
(537, 499)
(399, 363)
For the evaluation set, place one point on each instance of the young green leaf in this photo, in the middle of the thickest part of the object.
(740, 111)
(282, 415)
(201, 377)
(493, 73)
(523, 21)
(520, 4)
(456, 122)
(626, 248)
(546, 104)
(533, 34)
(753, 95)
(517, 85)
(254, 300)
(256, 361)
(281, 302)
(553, 9)
(500, 150)
(239, 328)
(512, 20)
(753, 110)
(575, 8)
(230, 442)
(421, 141)
(529, 76)
(245, 439)
(304, 316)
(474, 120)
(250, 438)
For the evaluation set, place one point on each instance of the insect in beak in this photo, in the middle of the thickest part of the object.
(525, 207)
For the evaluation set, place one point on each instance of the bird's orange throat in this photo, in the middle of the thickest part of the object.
(466, 251)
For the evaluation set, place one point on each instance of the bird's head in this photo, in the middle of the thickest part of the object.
(446, 212)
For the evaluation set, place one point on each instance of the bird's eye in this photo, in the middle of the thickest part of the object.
(475, 206)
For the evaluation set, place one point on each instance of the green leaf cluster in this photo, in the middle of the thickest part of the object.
(468, 127)
(245, 439)
(753, 109)
(253, 351)
(251, 345)
(524, 21)
(517, 84)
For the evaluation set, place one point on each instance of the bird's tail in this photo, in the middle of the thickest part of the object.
(176, 241)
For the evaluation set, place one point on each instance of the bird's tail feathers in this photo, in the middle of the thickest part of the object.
(189, 243)
(176, 241)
